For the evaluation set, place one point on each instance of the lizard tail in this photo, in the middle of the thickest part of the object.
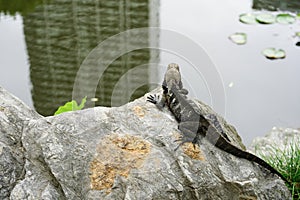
(222, 144)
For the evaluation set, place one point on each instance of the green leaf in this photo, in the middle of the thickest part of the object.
(285, 18)
(272, 53)
(248, 18)
(266, 18)
(238, 38)
(70, 106)
(82, 103)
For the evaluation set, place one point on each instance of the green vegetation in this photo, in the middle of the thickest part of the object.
(287, 162)
(238, 38)
(272, 53)
(71, 106)
(267, 18)
(248, 18)
(12, 7)
(285, 18)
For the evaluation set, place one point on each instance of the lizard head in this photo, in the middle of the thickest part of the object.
(173, 66)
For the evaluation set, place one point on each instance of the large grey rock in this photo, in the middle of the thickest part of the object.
(13, 117)
(124, 152)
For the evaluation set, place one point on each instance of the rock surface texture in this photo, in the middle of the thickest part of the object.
(124, 152)
(278, 137)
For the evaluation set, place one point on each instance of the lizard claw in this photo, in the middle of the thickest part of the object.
(157, 99)
(152, 98)
(183, 140)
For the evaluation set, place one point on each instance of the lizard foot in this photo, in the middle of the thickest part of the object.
(183, 140)
(153, 98)
(156, 99)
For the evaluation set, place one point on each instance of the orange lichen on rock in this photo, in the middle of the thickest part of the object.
(139, 111)
(102, 176)
(116, 155)
(192, 151)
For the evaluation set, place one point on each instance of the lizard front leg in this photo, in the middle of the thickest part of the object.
(157, 99)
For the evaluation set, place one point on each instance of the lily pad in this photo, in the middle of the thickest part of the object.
(238, 38)
(285, 18)
(272, 53)
(266, 18)
(248, 18)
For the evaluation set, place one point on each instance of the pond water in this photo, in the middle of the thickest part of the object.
(42, 51)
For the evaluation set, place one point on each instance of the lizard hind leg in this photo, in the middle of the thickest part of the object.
(184, 140)
(188, 135)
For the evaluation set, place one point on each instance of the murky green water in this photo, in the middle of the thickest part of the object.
(59, 35)
(43, 48)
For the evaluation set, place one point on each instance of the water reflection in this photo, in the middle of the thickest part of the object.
(13, 7)
(285, 5)
(60, 34)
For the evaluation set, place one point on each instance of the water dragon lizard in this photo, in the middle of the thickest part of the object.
(192, 123)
